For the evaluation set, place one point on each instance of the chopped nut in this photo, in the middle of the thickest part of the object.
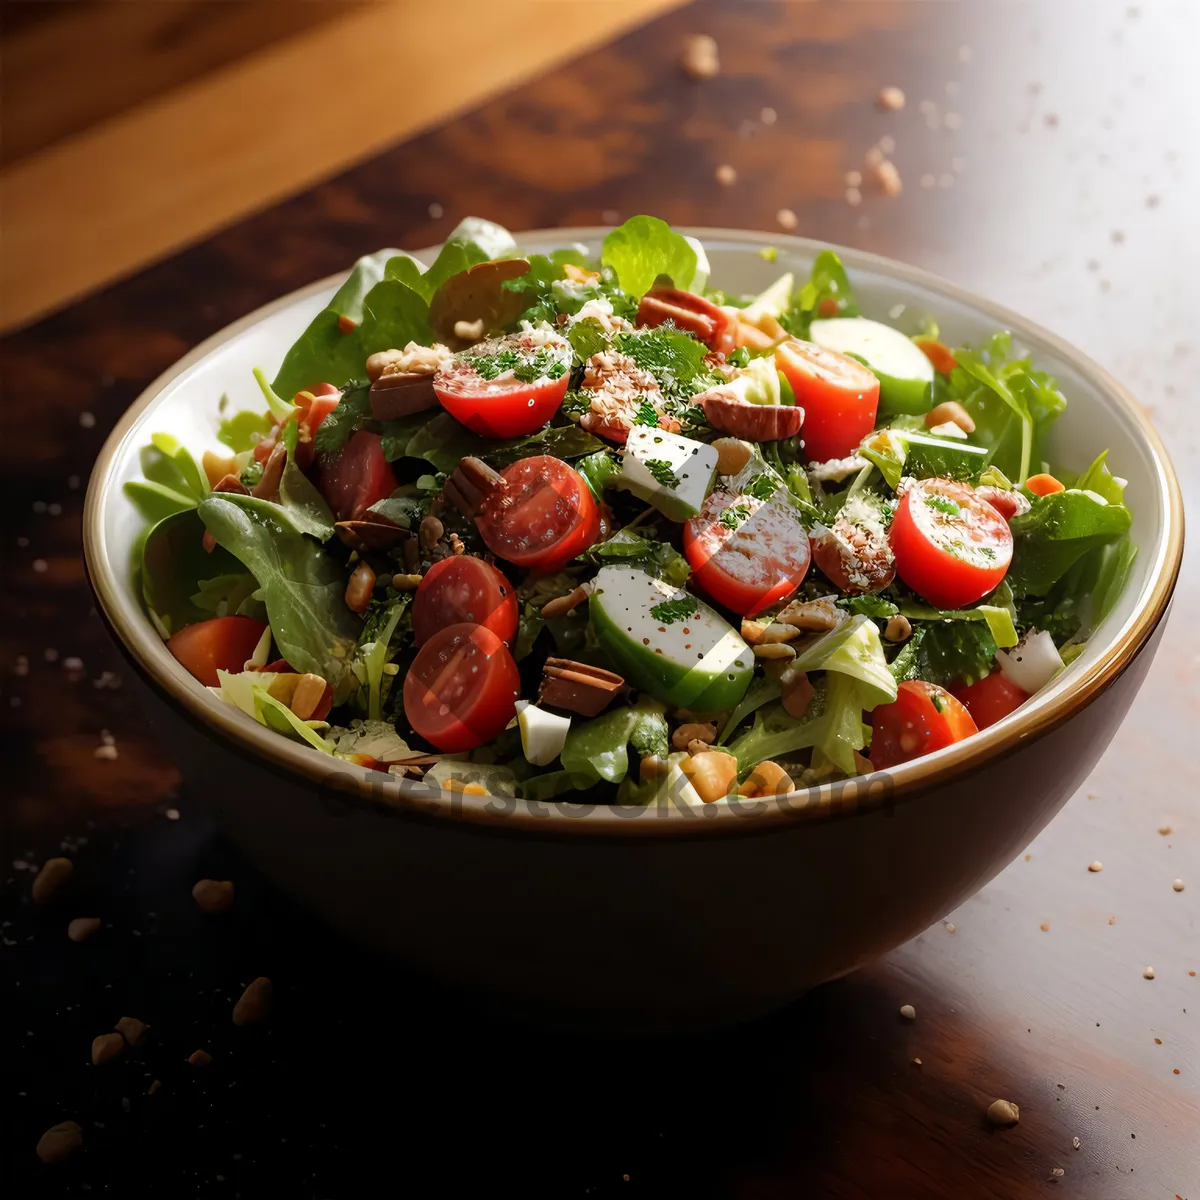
(1165, 830)
(308, 694)
(813, 616)
(1076, 1143)
(1095, 866)
(726, 175)
(774, 650)
(1003, 1113)
(131, 1029)
(952, 411)
(767, 779)
(916, 1062)
(890, 99)
(471, 485)
(578, 687)
(732, 454)
(1148, 973)
(1177, 885)
(396, 394)
(360, 587)
(766, 633)
(198, 1058)
(255, 1003)
(898, 628)
(108, 1047)
(213, 895)
(217, 466)
(82, 928)
(713, 773)
(406, 583)
(469, 331)
(561, 605)
(59, 1142)
(704, 732)
(908, 1012)
(50, 880)
(796, 693)
(267, 487)
(700, 57)
(370, 533)
(787, 219)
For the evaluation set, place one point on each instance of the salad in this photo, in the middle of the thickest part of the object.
(542, 525)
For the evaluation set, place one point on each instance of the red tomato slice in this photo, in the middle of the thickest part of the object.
(951, 546)
(698, 316)
(839, 397)
(479, 387)
(222, 644)
(543, 518)
(746, 553)
(462, 688)
(923, 718)
(464, 589)
(355, 477)
(993, 697)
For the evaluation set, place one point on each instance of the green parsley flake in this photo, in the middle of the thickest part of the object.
(662, 472)
(733, 516)
(762, 487)
(671, 611)
(647, 414)
(525, 368)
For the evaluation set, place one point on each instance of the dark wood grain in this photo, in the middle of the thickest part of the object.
(1067, 190)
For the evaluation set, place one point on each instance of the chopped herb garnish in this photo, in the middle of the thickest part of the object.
(526, 368)
(768, 254)
(936, 700)
(662, 471)
(576, 402)
(762, 487)
(647, 414)
(671, 611)
(943, 505)
(733, 516)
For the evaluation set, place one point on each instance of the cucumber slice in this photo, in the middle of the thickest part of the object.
(690, 657)
(905, 374)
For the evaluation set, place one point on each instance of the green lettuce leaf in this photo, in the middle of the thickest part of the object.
(444, 442)
(998, 612)
(953, 651)
(598, 749)
(642, 249)
(828, 281)
(233, 595)
(174, 562)
(243, 430)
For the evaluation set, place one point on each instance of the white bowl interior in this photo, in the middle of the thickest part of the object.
(187, 398)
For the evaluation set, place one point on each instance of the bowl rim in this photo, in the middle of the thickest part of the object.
(347, 784)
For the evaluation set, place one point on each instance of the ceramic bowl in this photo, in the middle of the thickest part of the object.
(645, 919)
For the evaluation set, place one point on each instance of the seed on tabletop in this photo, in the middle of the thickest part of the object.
(154, 1086)
(1003, 1113)
(87, 420)
(131, 1029)
(701, 58)
(787, 219)
(887, 175)
(1045, 926)
(1148, 973)
(769, 116)
(436, 211)
(1158, 1041)
(890, 99)
(106, 751)
(726, 175)
(1076, 1143)
(82, 928)
(172, 814)
(1112, 920)
(51, 879)
(853, 178)
(916, 1062)
(853, 197)
(213, 895)
(1165, 830)
(950, 927)
(198, 1058)
(59, 1142)
(908, 1012)
(1177, 884)
(1057, 1173)
(1095, 866)
(255, 1002)
(108, 1047)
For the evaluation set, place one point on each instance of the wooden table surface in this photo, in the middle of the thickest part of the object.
(1060, 140)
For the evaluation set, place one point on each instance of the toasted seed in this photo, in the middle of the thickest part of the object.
(908, 1012)
(379, 360)
(561, 605)
(732, 454)
(888, 177)
(726, 175)
(108, 1047)
(1177, 885)
(1095, 866)
(774, 650)
(360, 587)
(701, 59)
(1003, 1113)
(59, 1142)
(898, 628)
(890, 98)
(131, 1029)
(51, 879)
(1148, 973)
(82, 928)
(155, 1084)
(197, 1058)
(255, 1002)
(213, 895)
(406, 583)
(310, 690)
(787, 219)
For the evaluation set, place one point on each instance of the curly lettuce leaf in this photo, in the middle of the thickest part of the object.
(628, 548)
(444, 442)
(642, 249)
(998, 613)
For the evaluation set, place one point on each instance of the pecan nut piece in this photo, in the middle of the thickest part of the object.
(470, 485)
(716, 329)
(370, 534)
(399, 394)
(578, 687)
(751, 422)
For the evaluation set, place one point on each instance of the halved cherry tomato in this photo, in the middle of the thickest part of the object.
(543, 518)
(991, 698)
(923, 718)
(476, 388)
(222, 644)
(462, 688)
(950, 546)
(938, 353)
(464, 589)
(356, 476)
(700, 317)
(1044, 485)
(747, 554)
(839, 397)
